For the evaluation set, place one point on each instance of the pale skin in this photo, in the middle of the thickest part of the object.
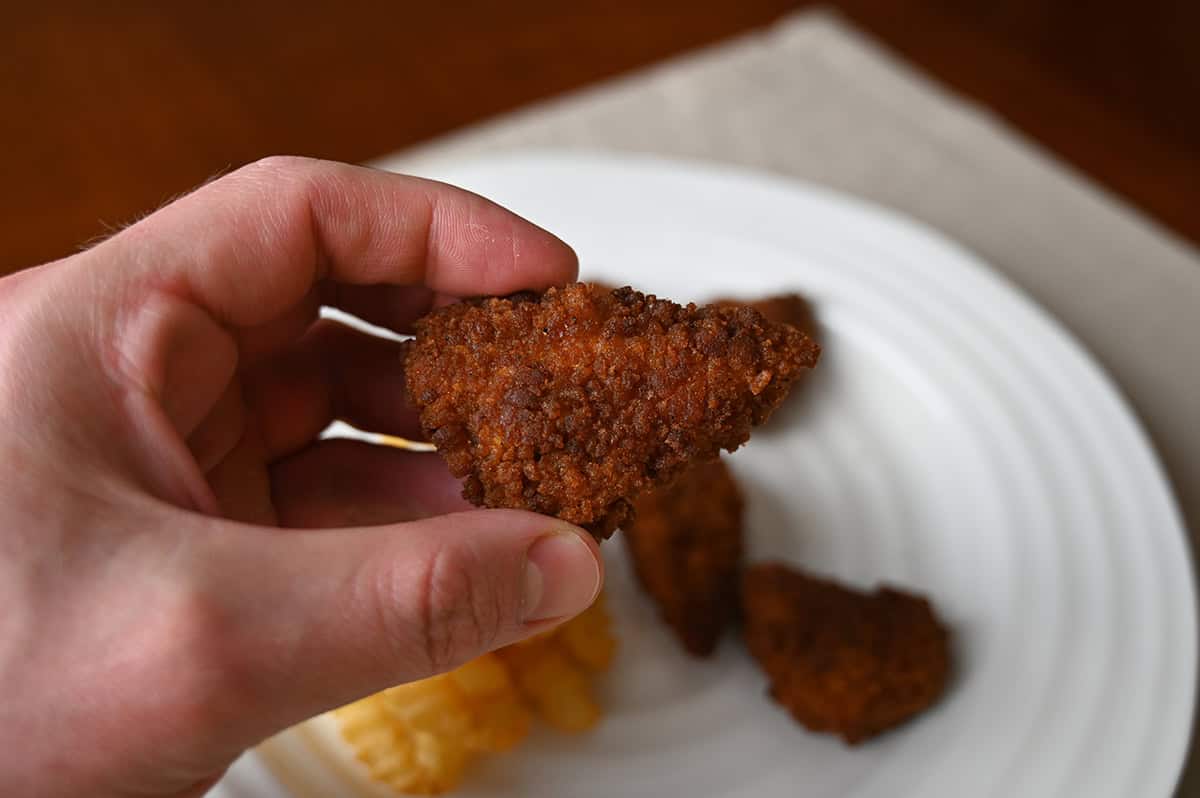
(184, 569)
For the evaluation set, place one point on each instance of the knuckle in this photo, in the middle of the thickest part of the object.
(282, 164)
(286, 178)
(459, 612)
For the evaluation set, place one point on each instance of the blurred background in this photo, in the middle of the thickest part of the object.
(107, 110)
(110, 109)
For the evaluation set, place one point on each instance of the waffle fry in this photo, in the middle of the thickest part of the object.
(557, 687)
(419, 738)
(407, 759)
(589, 639)
(501, 720)
(553, 670)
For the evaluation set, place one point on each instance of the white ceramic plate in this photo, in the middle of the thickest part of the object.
(956, 440)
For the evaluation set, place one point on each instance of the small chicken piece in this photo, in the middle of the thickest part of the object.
(572, 402)
(841, 660)
(685, 542)
(791, 309)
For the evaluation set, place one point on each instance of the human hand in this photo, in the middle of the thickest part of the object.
(160, 393)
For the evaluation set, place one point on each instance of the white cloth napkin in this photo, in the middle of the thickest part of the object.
(814, 98)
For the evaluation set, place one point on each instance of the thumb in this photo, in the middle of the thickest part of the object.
(315, 620)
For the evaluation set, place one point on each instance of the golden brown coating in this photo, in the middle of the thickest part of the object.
(841, 660)
(685, 542)
(572, 402)
(791, 309)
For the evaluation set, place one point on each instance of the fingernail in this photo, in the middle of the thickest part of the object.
(562, 576)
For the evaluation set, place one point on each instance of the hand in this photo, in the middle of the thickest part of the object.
(161, 608)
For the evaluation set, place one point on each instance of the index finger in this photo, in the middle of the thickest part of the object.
(251, 245)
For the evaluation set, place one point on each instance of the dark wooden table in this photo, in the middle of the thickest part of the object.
(110, 109)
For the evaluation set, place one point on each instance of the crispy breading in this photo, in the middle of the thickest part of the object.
(572, 402)
(792, 309)
(841, 660)
(685, 543)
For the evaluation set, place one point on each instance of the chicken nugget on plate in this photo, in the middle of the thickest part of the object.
(841, 660)
(685, 542)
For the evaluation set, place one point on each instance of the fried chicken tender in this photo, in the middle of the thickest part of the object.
(841, 660)
(572, 402)
(420, 738)
(685, 543)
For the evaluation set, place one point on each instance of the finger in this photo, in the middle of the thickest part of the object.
(340, 483)
(251, 245)
(391, 307)
(333, 372)
(221, 429)
(257, 343)
(241, 482)
(313, 620)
